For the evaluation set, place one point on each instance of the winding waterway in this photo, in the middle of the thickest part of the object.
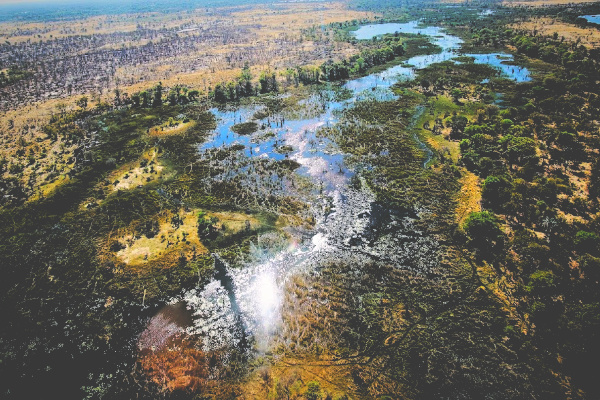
(244, 301)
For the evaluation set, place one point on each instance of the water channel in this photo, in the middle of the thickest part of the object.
(244, 301)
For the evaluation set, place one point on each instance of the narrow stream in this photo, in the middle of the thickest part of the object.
(248, 298)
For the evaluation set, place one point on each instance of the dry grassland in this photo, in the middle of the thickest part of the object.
(139, 250)
(542, 3)
(173, 240)
(268, 31)
(589, 37)
(134, 174)
(469, 197)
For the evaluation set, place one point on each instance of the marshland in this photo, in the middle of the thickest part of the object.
(306, 200)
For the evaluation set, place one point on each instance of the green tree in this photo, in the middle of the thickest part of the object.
(82, 102)
(587, 242)
(521, 150)
(541, 283)
(135, 99)
(483, 230)
(206, 226)
(219, 93)
(157, 101)
(314, 391)
(496, 191)
(458, 124)
(456, 94)
(145, 99)
(193, 95)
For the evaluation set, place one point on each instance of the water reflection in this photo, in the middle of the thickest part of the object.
(505, 63)
(170, 321)
(249, 297)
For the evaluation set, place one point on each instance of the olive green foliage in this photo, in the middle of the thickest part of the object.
(52, 250)
(484, 233)
(245, 128)
(13, 75)
(587, 242)
(313, 391)
(206, 226)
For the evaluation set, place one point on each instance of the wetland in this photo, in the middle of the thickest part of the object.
(410, 213)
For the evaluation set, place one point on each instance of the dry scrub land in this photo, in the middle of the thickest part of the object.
(545, 26)
(133, 52)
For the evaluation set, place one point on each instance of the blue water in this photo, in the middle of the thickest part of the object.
(253, 146)
(320, 159)
(505, 63)
(595, 19)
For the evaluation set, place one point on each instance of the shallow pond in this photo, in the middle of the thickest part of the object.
(595, 19)
(449, 44)
(505, 63)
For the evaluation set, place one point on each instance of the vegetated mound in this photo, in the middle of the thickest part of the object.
(245, 128)
(173, 235)
(171, 127)
(147, 169)
(158, 238)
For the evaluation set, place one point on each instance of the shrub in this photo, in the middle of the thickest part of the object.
(314, 390)
(587, 242)
(484, 232)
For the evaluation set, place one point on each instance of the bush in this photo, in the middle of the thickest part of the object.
(541, 283)
(206, 226)
(496, 191)
(314, 390)
(587, 242)
(484, 232)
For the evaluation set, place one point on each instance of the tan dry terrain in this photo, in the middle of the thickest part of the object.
(542, 3)
(263, 47)
(589, 37)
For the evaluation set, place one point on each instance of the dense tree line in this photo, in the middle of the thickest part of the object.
(385, 50)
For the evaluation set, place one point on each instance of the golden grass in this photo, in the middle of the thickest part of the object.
(140, 250)
(504, 287)
(294, 373)
(49, 188)
(589, 37)
(173, 241)
(234, 222)
(469, 197)
(132, 175)
(165, 130)
(580, 181)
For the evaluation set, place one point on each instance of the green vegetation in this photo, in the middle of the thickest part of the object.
(13, 75)
(501, 302)
(245, 128)
(76, 266)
